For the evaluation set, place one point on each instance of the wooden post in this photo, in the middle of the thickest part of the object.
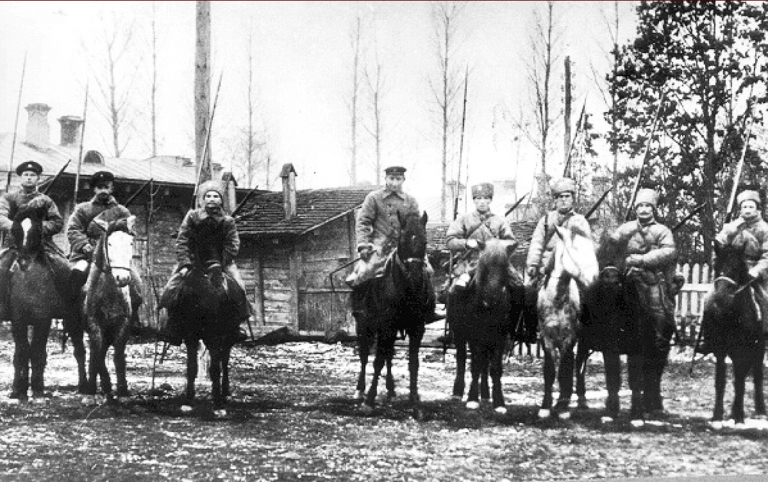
(295, 271)
(202, 87)
(258, 294)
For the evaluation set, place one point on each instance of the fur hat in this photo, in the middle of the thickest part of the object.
(649, 196)
(748, 195)
(562, 185)
(484, 189)
(209, 186)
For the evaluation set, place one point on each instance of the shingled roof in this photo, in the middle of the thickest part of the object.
(264, 215)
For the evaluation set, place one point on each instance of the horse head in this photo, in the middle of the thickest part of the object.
(730, 269)
(611, 259)
(115, 250)
(412, 243)
(27, 234)
(494, 274)
(574, 256)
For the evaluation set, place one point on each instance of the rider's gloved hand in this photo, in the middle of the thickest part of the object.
(36, 203)
(183, 271)
(634, 260)
(472, 244)
(531, 271)
(365, 254)
(87, 248)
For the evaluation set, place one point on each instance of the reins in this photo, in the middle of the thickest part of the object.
(732, 282)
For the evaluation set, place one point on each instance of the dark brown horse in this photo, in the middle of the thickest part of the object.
(484, 316)
(737, 329)
(401, 300)
(34, 301)
(107, 304)
(204, 310)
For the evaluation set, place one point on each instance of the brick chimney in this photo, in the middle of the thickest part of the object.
(38, 130)
(71, 130)
(288, 174)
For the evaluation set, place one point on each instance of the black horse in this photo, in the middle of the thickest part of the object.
(401, 300)
(737, 329)
(484, 316)
(35, 299)
(204, 310)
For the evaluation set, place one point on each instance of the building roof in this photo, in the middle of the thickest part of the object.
(163, 169)
(264, 214)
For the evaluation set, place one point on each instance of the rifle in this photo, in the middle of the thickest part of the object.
(645, 157)
(688, 217)
(16, 125)
(244, 200)
(50, 183)
(207, 141)
(517, 203)
(136, 194)
(739, 167)
(597, 203)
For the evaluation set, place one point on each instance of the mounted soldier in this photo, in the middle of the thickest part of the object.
(84, 229)
(750, 221)
(208, 218)
(378, 229)
(539, 262)
(29, 198)
(469, 232)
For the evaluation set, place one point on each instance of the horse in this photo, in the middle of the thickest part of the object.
(107, 305)
(604, 319)
(204, 310)
(737, 329)
(401, 300)
(482, 317)
(34, 301)
(559, 307)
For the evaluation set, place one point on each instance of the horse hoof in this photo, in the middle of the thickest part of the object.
(186, 408)
(358, 396)
(473, 405)
(716, 425)
(606, 419)
(564, 415)
(220, 413)
(366, 409)
(456, 397)
(637, 423)
(544, 413)
(500, 410)
(391, 395)
(40, 400)
(89, 400)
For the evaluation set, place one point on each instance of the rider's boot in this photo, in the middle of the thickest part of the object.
(77, 280)
(171, 333)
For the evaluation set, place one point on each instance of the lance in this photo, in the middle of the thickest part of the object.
(241, 205)
(597, 203)
(207, 141)
(739, 168)
(16, 125)
(579, 126)
(645, 157)
(50, 183)
(82, 138)
(136, 194)
(688, 217)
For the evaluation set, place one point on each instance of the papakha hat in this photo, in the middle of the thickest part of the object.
(484, 189)
(649, 196)
(565, 184)
(749, 195)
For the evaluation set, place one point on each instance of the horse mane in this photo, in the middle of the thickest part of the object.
(493, 262)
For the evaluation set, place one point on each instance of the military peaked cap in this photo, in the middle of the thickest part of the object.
(395, 170)
(101, 177)
(29, 166)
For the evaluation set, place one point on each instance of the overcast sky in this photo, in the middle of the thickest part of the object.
(303, 59)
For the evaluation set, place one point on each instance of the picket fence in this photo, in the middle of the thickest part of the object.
(690, 301)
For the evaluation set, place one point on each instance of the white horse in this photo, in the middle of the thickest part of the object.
(559, 310)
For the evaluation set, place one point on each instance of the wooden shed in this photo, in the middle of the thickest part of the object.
(291, 242)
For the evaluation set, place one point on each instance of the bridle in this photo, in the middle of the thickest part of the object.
(732, 282)
(107, 265)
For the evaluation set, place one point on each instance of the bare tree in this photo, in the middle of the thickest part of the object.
(445, 16)
(153, 88)
(251, 144)
(112, 66)
(355, 36)
(544, 56)
(376, 83)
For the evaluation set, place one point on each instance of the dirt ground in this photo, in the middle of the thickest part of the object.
(291, 417)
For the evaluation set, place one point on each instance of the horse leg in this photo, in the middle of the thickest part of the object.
(720, 374)
(740, 370)
(461, 364)
(565, 381)
(550, 360)
(363, 351)
(390, 380)
(94, 347)
(496, 370)
(476, 370)
(612, 364)
(120, 366)
(38, 356)
(635, 376)
(414, 344)
(20, 361)
(191, 369)
(582, 357)
(385, 346)
(225, 372)
(757, 378)
(78, 347)
(653, 372)
(485, 390)
(214, 373)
